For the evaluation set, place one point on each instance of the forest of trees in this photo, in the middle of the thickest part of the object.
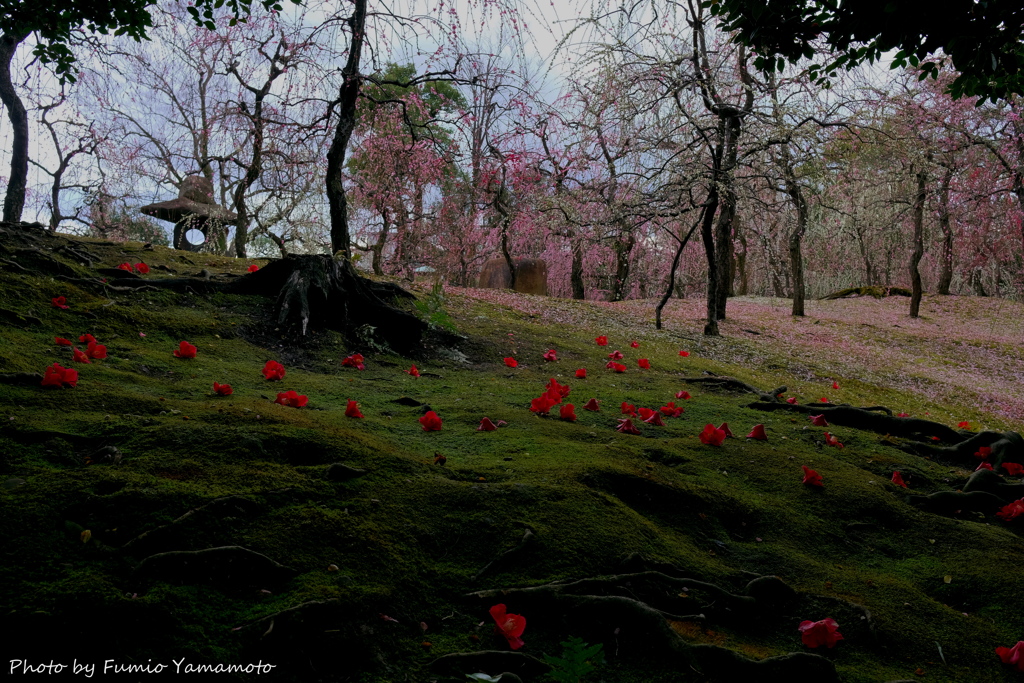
(642, 131)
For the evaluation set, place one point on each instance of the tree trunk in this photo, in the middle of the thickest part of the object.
(708, 236)
(946, 266)
(623, 251)
(743, 288)
(672, 273)
(915, 258)
(14, 201)
(576, 271)
(796, 258)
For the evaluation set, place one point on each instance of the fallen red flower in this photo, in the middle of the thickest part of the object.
(824, 399)
(684, 354)
(96, 351)
(273, 370)
(818, 633)
(984, 466)
(897, 479)
(811, 478)
(592, 404)
(626, 426)
(725, 428)
(644, 363)
(983, 452)
(670, 409)
(61, 341)
(615, 355)
(60, 302)
(617, 367)
(835, 385)
(252, 268)
(628, 408)
(57, 376)
(964, 425)
(354, 361)
(683, 395)
(142, 268)
(557, 391)
(635, 344)
(832, 441)
(125, 266)
(602, 340)
(711, 436)
(542, 404)
(86, 338)
(291, 398)
(222, 389)
(567, 412)
(550, 355)
(352, 409)
(79, 357)
(511, 362)
(431, 422)
(1013, 469)
(509, 625)
(654, 419)
(902, 414)
(1014, 656)
(818, 420)
(581, 373)
(758, 433)
(645, 413)
(1012, 511)
(185, 350)
(486, 425)
(791, 400)
(413, 371)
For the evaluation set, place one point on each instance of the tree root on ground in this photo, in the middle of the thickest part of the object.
(502, 559)
(220, 506)
(870, 419)
(991, 482)
(731, 383)
(1006, 447)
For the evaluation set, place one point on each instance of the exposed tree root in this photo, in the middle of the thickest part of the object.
(989, 481)
(875, 291)
(731, 383)
(231, 568)
(952, 502)
(507, 555)
(870, 419)
(219, 506)
(23, 379)
(1006, 447)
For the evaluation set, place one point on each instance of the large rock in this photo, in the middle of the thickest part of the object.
(531, 275)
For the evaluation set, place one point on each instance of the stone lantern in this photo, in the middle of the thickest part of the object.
(194, 209)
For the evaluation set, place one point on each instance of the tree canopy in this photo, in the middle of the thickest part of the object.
(983, 39)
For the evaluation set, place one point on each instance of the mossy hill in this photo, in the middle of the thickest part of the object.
(366, 574)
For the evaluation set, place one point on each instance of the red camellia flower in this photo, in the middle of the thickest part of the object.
(57, 376)
(818, 633)
(983, 452)
(617, 367)
(818, 420)
(252, 268)
(984, 466)
(291, 398)
(273, 370)
(354, 361)
(581, 373)
(96, 351)
(811, 478)
(897, 479)
(725, 428)
(550, 355)
(86, 338)
(832, 441)
(61, 341)
(1011, 511)
(645, 413)
(644, 363)
(902, 414)
(222, 389)
(567, 412)
(654, 419)
(431, 422)
(60, 302)
(835, 385)
(185, 350)
(791, 400)
(557, 391)
(602, 340)
(1014, 656)
(685, 395)
(628, 408)
(824, 399)
(509, 625)
(413, 371)
(486, 425)
(542, 404)
(592, 404)
(142, 268)
(635, 344)
(964, 425)
(125, 266)
(671, 410)
(684, 354)
(712, 436)
(352, 409)
(1013, 469)
(511, 362)
(626, 426)
(615, 355)
(758, 433)
(79, 357)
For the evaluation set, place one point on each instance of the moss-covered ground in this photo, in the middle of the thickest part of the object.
(392, 553)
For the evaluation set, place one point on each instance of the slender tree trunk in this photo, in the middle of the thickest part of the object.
(623, 251)
(348, 94)
(743, 288)
(672, 273)
(14, 201)
(708, 236)
(796, 258)
(915, 258)
(378, 247)
(946, 267)
(576, 270)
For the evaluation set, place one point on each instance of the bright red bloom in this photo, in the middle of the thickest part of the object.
(635, 344)
(654, 419)
(142, 268)
(824, 399)
(818, 420)
(86, 338)
(79, 357)
(835, 385)
(222, 389)
(252, 268)
(671, 410)
(1011, 511)
(125, 266)
(684, 354)
(897, 479)
(413, 371)
(711, 436)
(626, 426)
(581, 373)
(511, 362)
(352, 409)
(567, 412)
(644, 363)
(628, 408)
(818, 633)
(791, 400)
(291, 398)
(902, 414)
(811, 478)
(273, 370)
(725, 428)
(615, 355)
(984, 466)
(1014, 656)
(509, 625)
(602, 340)
(645, 413)
(61, 341)
(96, 351)
(758, 433)
(617, 367)
(542, 404)
(557, 391)
(60, 302)
(832, 441)
(550, 355)
(57, 376)
(185, 350)
(983, 452)
(592, 405)
(1013, 469)
(354, 361)
(431, 422)
(486, 425)
(964, 425)
(685, 395)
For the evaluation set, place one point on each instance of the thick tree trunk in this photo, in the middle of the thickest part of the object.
(623, 250)
(946, 265)
(14, 201)
(915, 258)
(796, 258)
